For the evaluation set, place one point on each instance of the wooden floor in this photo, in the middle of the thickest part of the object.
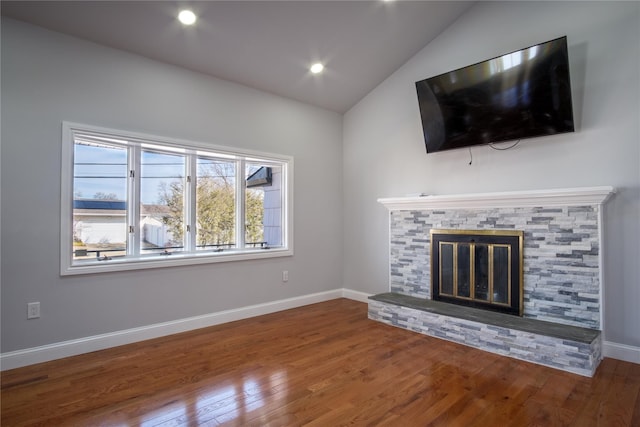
(321, 365)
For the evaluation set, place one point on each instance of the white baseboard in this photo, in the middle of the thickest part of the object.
(355, 295)
(45, 353)
(624, 352)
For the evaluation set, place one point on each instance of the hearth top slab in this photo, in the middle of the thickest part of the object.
(572, 333)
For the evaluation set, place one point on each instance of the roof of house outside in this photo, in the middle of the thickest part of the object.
(260, 178)
(99, 204)
(95, 205)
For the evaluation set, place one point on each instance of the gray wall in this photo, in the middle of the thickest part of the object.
(384, 154)
(47, 78)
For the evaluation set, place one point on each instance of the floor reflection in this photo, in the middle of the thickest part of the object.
(232, 401)
(235, 401)
(166, 414)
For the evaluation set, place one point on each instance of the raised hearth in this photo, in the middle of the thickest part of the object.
(561, 273)
(569, 348)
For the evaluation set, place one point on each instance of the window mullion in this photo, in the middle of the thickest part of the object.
(190, 201)
(284, 201)
(240, 204)
(133, 201)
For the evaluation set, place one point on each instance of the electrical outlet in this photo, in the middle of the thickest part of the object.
(285, 275)
(33, 310)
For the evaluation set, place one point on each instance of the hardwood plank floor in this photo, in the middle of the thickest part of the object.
(321, 365)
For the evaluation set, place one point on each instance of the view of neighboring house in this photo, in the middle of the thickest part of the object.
(99, 221)
(101, 224)
(154, 230)
(269, 179)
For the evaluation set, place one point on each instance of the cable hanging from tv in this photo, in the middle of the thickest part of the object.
(491, 144)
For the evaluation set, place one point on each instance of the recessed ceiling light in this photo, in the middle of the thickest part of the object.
(316, 68)
(187, 17)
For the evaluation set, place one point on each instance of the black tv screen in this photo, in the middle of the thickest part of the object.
(523, 94)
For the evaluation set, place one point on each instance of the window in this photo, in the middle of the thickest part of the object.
(134, 201)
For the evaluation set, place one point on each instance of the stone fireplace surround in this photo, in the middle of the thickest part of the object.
(562, 273)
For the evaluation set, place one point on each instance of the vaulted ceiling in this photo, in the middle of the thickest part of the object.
(267, 45)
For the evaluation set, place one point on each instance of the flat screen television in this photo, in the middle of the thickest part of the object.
(523, 94)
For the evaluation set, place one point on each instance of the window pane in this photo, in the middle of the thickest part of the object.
(162, 202)
(263, 206)
(99, 206)
(215, 204)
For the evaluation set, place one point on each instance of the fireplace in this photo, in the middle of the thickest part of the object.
(478, 268)
(559, 267)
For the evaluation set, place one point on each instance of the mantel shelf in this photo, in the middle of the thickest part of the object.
(543, 198)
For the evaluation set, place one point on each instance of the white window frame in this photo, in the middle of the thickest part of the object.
(188, 257)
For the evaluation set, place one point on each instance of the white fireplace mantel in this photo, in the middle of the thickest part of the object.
(554, 197)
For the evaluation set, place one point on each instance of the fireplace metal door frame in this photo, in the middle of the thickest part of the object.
(514, 239)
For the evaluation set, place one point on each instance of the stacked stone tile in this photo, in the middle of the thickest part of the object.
(566, 354)
(561, 277)
(561, 256)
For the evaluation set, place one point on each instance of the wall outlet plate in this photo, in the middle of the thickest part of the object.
(33, 310)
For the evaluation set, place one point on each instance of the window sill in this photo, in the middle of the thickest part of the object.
(174, 260)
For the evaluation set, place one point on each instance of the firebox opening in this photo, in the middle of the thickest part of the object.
(478, 268)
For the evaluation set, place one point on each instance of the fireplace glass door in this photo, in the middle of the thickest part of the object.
(478, 268)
